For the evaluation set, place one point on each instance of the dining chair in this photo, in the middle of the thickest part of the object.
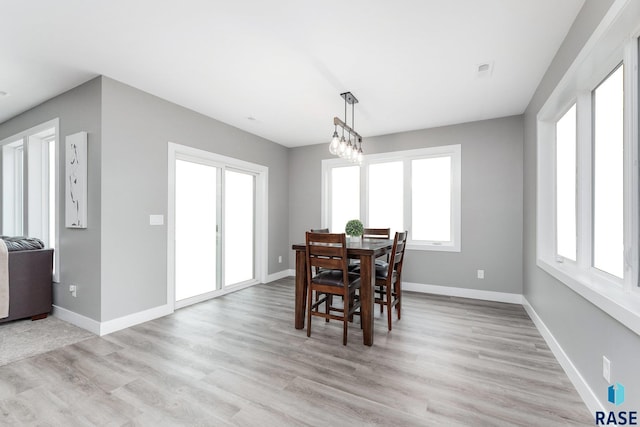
(328, 252)
(372, 233)
(389, 278)
(378, 233)
(317, 269)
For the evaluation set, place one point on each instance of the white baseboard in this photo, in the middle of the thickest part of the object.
(280, 275)
(585, 392)
(134, 319)
(74, 318)
(453, 291)
(104, 328)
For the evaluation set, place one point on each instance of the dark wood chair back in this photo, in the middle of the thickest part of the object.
(396, 257)
(317, 270)
(326, 251)
(377, 233)
(319, 230)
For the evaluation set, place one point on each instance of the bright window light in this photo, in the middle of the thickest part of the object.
(196, 219)
(608, 197)
(385, 196)
(239, 220)
(431, 199)
(566, 185)
(345, 196)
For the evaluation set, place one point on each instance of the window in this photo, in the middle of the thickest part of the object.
(431, 199)
(386, 202)
(414, 190)
(51, 154)
(608, 180)
(588, 189)
(345, 197)
(12, 188)
(566, 185)
(239, 216)
(29, 185)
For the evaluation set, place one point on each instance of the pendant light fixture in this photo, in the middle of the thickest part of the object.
(339, 146)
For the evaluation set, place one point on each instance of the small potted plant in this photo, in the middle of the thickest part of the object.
(354, 229)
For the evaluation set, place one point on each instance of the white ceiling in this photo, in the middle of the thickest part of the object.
(411, 63)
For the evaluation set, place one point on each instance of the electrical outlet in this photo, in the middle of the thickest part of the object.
(606, 369)
(480, 274)
(74, 290)
(280, 259)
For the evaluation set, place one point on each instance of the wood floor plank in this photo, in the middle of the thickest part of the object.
(238, 360)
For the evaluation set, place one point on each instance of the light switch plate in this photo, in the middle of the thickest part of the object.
(156, 219)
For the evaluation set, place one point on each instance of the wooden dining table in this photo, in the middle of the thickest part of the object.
(367, 250)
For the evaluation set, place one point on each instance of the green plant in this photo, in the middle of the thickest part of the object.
(354, 228)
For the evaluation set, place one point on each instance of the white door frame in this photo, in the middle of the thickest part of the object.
(261, 173)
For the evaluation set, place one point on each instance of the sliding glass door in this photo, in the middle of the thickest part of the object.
(239, 227)
(196, 229)
(215, 211)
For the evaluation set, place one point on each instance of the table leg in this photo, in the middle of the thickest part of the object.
(367, 283)
(301, 289)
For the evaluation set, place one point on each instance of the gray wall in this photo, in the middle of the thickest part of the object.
(491, 202)
(584, 332)
(136, 129)
(79, 251)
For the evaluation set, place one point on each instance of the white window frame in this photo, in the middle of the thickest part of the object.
(453, 151)
(35, 195)
(615, 41)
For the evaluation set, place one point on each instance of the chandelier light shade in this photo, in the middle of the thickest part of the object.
(339, 145)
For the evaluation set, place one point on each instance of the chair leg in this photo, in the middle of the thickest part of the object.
(344, 333)
(399, 297)
(327, 305)
(309, 300)
(374, 296)
(351, 301)
(388, 301)
(345, 318)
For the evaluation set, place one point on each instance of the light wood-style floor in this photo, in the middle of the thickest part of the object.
(237, 360)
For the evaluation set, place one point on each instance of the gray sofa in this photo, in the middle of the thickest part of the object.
(30, 283)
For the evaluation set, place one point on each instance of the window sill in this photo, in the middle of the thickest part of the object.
(432, 247)
(613, 299)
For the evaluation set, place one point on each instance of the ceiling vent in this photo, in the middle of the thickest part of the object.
(484, 69)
